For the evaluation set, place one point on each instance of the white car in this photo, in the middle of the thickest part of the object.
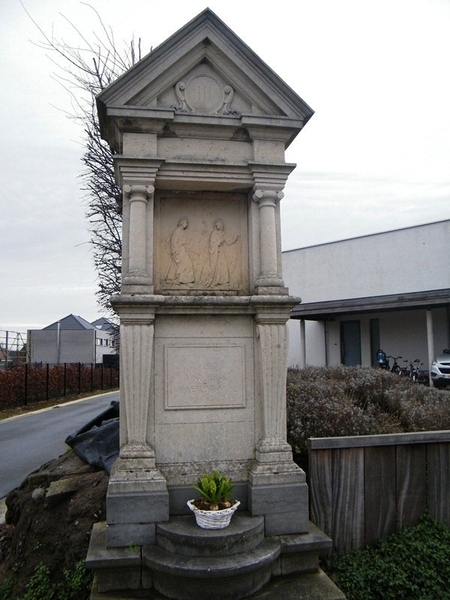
(440, 370)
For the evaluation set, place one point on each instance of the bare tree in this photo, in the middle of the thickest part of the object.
(84, 71)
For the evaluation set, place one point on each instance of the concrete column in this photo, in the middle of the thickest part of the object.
(430, 342)
(302, 343)
(267, 201)
(138, 250)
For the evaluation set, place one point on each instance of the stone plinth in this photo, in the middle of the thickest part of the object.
(199, 129)
(187, 562)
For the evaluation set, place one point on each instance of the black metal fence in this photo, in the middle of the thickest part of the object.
(28, 383)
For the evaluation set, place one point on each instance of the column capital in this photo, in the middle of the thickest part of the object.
(267, 196)
(138, 192)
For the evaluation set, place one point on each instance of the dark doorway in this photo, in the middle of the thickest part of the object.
(350, 343)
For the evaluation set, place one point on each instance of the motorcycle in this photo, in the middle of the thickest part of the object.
(382, 360)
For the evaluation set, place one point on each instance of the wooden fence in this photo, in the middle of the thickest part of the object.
(365, 487)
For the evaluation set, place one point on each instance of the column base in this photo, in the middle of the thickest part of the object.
(137, 499)
(278, 491)
(269, 290)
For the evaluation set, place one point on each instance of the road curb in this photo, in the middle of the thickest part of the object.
(41, 410)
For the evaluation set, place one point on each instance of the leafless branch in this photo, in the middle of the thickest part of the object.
(84, 70)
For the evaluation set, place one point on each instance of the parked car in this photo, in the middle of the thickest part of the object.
(440, 370)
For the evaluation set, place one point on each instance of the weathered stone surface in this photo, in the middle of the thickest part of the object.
(203, 306)
(183, 536)
(38, 494)
(199, 129)
(181, 574)
(130, 534)
(117, 568)
(60, 489)
(311, 586)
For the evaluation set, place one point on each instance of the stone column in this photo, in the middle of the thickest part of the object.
(139, 272)
(272, 341)
(277, 486)
(272, 345)
(137, 497)
(267, 201)
(136, 354)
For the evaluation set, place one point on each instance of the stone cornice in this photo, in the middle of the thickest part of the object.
(158, 304)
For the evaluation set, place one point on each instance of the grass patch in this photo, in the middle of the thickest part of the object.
(75, 585)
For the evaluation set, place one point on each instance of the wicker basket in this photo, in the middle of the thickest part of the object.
(213, 519)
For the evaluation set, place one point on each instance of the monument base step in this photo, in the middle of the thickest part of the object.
(307, 586)
(188, 563)
(222, 578)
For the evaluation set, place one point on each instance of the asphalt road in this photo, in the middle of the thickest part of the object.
(29, 441)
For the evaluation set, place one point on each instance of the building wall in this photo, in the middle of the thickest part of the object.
(401, 334)
(43, 346)
(104, 345)
(408, 260)
(405, 260)
(75, 346)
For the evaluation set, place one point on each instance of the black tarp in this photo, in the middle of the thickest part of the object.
(97, 442)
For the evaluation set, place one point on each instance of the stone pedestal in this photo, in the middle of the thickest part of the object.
(199, 129)
(187, 563)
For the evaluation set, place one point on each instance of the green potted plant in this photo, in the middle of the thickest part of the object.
(215, 508)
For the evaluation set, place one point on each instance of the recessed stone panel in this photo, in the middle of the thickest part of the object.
(204, 376)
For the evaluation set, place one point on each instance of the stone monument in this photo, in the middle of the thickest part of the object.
(199, 129)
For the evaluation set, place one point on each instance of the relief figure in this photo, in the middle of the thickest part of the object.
(181, 268)
(221, 262)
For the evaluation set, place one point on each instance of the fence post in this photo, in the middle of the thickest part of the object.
(47, 382)
(25, 391)
(65, 380)
(79, 378)
(92, 377)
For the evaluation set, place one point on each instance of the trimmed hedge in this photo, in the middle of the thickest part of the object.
(346, 401)
(26, 383)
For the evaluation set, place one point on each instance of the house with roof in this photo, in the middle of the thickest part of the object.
(388, 290)
(71, 340)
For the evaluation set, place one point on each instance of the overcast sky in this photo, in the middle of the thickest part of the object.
(374, 157)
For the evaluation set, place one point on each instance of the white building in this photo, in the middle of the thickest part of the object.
(388, 290)
(71, 340)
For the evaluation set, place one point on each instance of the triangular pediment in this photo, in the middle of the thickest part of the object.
(205, 69)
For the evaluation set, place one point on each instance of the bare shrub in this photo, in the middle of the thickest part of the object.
(345, 401)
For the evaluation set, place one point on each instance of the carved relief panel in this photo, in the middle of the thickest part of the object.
(201, 244)
(203, 90)
(204, 93)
